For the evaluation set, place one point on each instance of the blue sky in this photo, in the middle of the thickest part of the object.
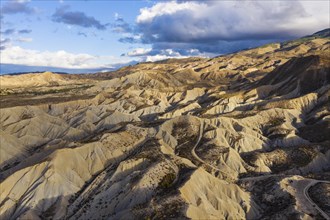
(100, 34)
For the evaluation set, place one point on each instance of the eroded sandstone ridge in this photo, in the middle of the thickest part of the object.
(240, 136)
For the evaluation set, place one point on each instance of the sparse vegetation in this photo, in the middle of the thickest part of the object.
(167, 180)
(276, 121)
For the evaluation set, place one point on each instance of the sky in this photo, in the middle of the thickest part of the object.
(106, 34)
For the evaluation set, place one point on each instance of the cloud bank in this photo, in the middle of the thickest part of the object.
(62, 58)
(206, 27)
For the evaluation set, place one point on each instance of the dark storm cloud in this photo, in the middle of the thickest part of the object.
(62, 15)
(14, 7)
(185, 49)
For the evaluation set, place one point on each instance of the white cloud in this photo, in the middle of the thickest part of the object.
(161, 57)
(25, 39)
(207, 21)
(64, 59)
(139, 52)
(117, 16)
(151, 55)
(167, 8)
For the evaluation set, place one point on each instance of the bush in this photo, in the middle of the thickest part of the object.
(167, 180)
(276, 121)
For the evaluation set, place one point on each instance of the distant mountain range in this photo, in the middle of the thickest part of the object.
(15, 68)
(18, 69)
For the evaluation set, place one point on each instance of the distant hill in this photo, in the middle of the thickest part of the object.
(15, 68)
(21, 69)
(322, 34)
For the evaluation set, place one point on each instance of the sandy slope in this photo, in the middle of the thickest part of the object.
(201, 138)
